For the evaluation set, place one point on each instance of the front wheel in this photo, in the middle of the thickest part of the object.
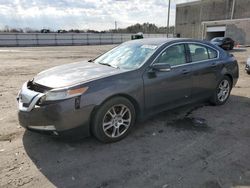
(113, 120)
(222, 92)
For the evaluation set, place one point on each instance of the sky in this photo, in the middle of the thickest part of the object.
(84, 14)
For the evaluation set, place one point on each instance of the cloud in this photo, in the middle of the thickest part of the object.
(85, 14)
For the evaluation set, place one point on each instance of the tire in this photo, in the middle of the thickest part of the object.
(113, 120)
(248, 72)
(221, 96)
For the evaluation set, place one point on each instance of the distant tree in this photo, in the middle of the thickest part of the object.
(145, 28)
(92, 31)
(13, 30)
(75, 31)
(20, 30)
(30, 30)
(6, 28)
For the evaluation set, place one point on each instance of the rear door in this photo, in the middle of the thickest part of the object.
(165, 89)
(205, 69)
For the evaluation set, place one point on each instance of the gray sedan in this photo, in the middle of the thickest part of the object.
(105, 96)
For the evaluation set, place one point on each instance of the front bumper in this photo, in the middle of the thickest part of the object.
(57, 117)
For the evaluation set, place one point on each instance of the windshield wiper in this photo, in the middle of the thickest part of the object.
(109, 65)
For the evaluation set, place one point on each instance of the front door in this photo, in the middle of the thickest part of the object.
(165, 89)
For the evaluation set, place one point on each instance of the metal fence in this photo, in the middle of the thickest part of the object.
(61, 39)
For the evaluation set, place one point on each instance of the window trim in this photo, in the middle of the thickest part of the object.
(187, 53)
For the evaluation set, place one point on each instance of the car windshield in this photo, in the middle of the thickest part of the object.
(217, 39)
(127, 56)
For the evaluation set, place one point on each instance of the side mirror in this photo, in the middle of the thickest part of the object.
(161, 67)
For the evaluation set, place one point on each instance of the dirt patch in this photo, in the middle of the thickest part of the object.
(9, 137)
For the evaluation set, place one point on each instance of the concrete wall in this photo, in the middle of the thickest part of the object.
(54, 39)
(189, 17)
(188, 20)
(242, 9)
(236, 29)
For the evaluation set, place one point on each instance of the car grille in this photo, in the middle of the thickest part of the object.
(38, 88)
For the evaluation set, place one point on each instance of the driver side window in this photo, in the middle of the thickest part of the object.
(174, 55)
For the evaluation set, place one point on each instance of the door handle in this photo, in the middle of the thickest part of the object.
(185, 71)
(213, 64)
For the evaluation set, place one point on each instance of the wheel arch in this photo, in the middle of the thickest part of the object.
(230, 77)
(134, 102)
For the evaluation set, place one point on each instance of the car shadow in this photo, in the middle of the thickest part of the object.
(171, 149)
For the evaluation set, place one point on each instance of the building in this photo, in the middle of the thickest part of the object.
(205, 19)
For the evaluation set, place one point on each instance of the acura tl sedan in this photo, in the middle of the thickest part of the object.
(105, 96)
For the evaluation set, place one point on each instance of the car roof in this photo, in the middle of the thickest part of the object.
(151, 41)
(161, 41)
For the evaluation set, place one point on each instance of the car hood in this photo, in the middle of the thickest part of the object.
(74, 73)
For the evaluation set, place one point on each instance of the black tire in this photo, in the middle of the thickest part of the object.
(248, 72)
(102, 112)
(215, 99)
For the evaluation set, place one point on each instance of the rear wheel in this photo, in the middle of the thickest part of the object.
(113, 120)
(222, 92)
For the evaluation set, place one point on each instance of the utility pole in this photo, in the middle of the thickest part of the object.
(201, 24)
(115, 25)
(168, 18)
(232, 12)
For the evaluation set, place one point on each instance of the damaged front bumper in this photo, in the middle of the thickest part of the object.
(56, 117)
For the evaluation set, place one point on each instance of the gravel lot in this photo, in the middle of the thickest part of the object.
(192, 146)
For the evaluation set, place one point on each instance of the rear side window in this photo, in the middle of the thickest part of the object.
(201, 53)
(198, 52)
(212, 53)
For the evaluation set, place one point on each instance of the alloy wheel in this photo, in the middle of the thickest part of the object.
(116, 121)
(223, 90)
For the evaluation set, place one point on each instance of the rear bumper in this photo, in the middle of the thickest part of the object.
(57, 118)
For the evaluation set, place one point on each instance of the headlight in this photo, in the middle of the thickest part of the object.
(63, 94)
